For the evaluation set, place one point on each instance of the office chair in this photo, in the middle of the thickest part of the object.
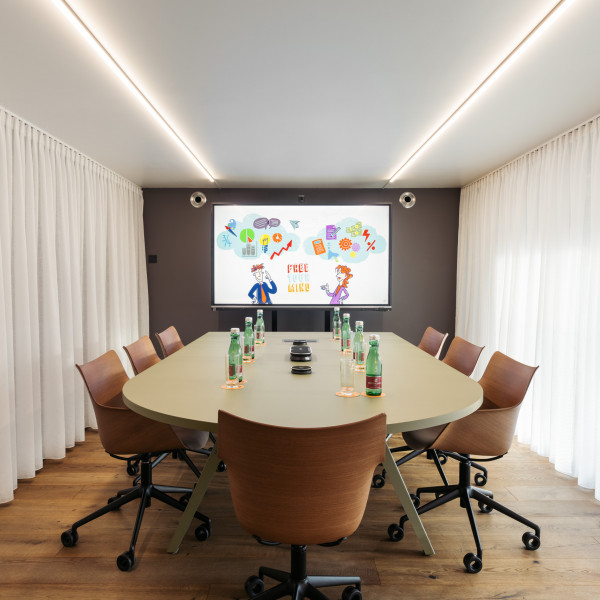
(488, 432)
(462, 356)
(142, 356)
(299, 487)
(169, 341)
(126, 434)
(432, 342)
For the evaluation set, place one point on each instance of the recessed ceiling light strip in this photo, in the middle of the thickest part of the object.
(120, 72)
(525, 42)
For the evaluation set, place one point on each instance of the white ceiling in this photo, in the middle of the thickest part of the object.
(317, 93)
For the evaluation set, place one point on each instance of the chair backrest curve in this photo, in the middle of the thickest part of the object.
(462, 355)
(142, 354)
(169, 341)
(300, 486)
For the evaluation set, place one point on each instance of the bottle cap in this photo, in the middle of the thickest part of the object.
(336, 309)
(259, 311)
(373, 336)
(249, 319)
(359, 323)
(235, 330)
(346, 315)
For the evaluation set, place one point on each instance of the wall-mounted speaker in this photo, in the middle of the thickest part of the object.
(407, 199)
(197, 199)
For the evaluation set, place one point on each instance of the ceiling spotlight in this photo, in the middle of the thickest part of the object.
(407, 199)
(197, 199)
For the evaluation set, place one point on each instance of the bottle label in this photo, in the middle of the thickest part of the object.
(246, 349)
(360, 358)
(232, 371)
(374, 382)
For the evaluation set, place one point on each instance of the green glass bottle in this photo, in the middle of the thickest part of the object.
(358, 350)
(373, 385)
(235, 355)
(336, 324)
(260, 328)
(346, 337)
(248, 339)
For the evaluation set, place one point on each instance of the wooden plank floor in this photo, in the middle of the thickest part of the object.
(34, 564)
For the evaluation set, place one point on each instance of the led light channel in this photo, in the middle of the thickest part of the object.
(74, 19)
(525, 43)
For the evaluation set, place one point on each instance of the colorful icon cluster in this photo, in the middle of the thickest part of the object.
(345, 243)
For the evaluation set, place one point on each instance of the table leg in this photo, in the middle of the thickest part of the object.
(194, 502)
(396, 480)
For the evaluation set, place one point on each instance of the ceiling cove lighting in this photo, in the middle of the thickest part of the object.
(550, 18)
(76, 21)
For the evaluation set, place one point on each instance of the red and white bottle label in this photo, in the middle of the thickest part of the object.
(374, 382)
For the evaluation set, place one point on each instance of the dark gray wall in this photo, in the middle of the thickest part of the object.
(424, 242)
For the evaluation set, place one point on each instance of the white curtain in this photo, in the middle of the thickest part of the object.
(528, 284)
(72, 285)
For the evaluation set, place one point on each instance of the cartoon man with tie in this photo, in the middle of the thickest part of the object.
(260, 291)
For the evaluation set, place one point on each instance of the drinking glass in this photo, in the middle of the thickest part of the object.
(347, 377)
(231, 376)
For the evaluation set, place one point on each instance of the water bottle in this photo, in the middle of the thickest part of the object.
(336, 324)
(373, 385)
(260, 328)
(248, 339)
(358, 351)
(346, 338)
(235, 354)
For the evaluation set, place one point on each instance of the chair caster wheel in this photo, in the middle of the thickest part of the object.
(126, 561)
(254, 585)
(480, 479)
(221, 467)
(472, 562)
(416, 500)
(351, 593)
(531, 541)
(202, 533)
(484, 508)
(69, 538)
(442, 458)
(378, 481)
(395, 532)
(133, 468)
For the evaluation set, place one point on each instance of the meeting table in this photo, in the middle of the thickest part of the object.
(185, 390)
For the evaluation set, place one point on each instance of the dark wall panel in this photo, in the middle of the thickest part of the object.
(424, 242)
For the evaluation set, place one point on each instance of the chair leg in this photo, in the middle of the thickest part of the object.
(145, 491)
(465, 492)
(296, 583)
(487, 500)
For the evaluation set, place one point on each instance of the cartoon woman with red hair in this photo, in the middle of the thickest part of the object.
(343, 275)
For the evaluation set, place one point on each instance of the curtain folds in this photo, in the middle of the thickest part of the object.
(528, 284)
(72, 285)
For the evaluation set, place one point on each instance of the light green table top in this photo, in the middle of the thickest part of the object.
(184, 389)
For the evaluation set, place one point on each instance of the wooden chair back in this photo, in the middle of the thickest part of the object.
(121, 430)
(300, 486)
(432, 341)
(462, 356)
(142, 354)
(490, 430)
(169, 341)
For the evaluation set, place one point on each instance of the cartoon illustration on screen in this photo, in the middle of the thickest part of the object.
(260, 292)
(343, 275)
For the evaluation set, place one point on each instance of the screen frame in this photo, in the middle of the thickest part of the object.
(320, 306)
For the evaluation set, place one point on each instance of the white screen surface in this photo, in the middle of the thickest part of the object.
(299, 255)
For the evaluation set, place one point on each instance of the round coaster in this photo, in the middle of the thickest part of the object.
(235, 387)
(346, 395)
(380, 395)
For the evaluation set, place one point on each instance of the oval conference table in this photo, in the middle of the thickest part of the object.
(185, 390)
